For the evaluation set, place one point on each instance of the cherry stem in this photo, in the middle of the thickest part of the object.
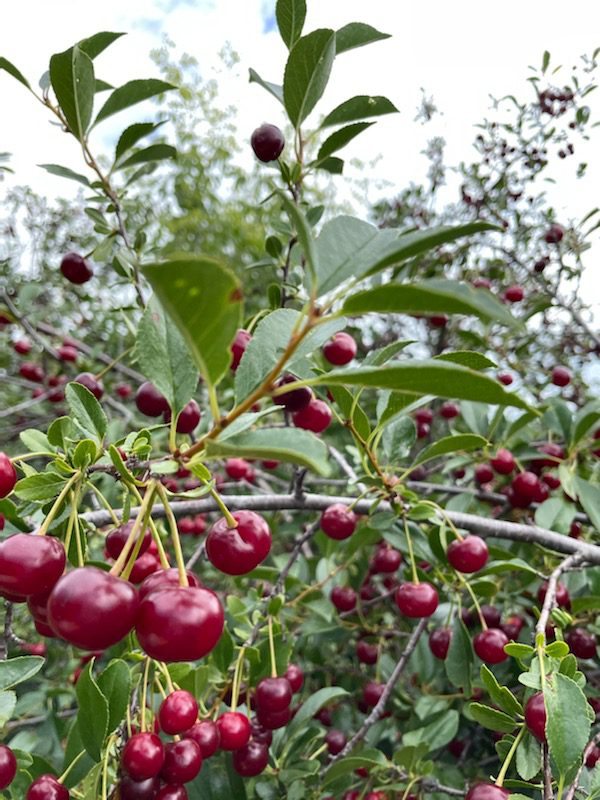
(237, 678)
(71, 765)
(183, 579)
(231, 521)
(80, 556)
(57, 504)
(145, 693)
(145, 508)
(509, 756)
(272, 649)
(475, 602)
(411, 554)
(164, 561)
(116, 360)
(214, 403)
(105, 503)
(165, 671)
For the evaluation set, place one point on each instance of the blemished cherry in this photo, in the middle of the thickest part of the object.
(183, 761)
(172, 791)
(343, 598)
(8, 766)
(22, 347)
(514, 294)
(416, 600)
(272, 720)
(315, 417)
(561, 376)
(92, 609)
(47, 787)
(439, 642)
(179, 623)
(386, 559)
(335, 741)
(30, 564)
(582, 643)
(138, 790)
(468, 555)
(487, 791)
(295, 677)
(115, 540)
(237, 551)
(206, 735)
(234, 730)
(367, 653)
(340, 349)
(32, 372)
(535, 716)
(237, 468)
(67, 353)
(273, 694)
(503, 462)
(554, 234)
(91, 383)
(164, 579)
(150, 401)
(489, 645)
(75, 268)
(143, 756)
(505, 378)
(238, 347)
(267, 142)
(372, 693)
(483, 473)
(338, 521)
(8, 476)
(295, 399)
(178, 712)
(252, 759)
(188, 419)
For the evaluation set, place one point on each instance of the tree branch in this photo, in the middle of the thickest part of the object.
(549, 599)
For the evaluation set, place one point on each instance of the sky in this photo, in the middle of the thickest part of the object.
(459, 52)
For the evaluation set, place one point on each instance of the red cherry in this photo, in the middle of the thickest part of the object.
(340, 350)
(525, 489)
(575, 530)
(188, 419)
(514, 294)
(416, 599)
(172, 792)
(91, 383)
(206, 735)
(582, 643)
(489, 645)
(367, 653)
(490, 615)
(552, 481)
(178, 712)
(8, 766)
(315, 417)
(150, 401)
(38, 606)
(372, 693)
(67, 353)
(338, 522)
(124, 390)
(8, 475)
(272, 720)
(92, 609)
(47, 787)
(115, 540)
(439, 642)
(295, 677)
(449, 410)
(561, 376)
(143, 756)
(30, 564)
(270, 464)
(31, 372)
(554, 234)
(482, 283)
(183, 760)
(22, 346)
(43, 629)
(145, 565)
(468, 555)
(234, 730)
(237, 551)
(505, 378)
(592, 757)
(343, 598)
(75, 268)
(2, 522)
(165, 579)
(238, 347)
(267, 142)
(273, 694)
(535, 716)
(295, 399)
(335, 741)
(424, 416)
(483, 474)
(251, 760)
(237, 468)
(512, 626)
(487, 791)
(186, 526)
(438, 320)
(386, 559)
(551, 449)
(503, 462)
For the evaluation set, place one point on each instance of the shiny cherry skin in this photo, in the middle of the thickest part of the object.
(582, 643)
(234, 730)
(30, 564)
(525, 487)
(178, 712)
(491, 615)
(295, 399)
(144, 565)
(179, 623)
(143, 756)
(75, 268)
(206, 735)
(165, 579)
(315, 417)
(335, 741)
(8, 476)
(183, 761)
(483, 473)
(238, 348)
(439, 642)
(562, 597)
(295, 677)
(138, 790)
(367, 653)
(189, 418)
(47, 787)
(92, 609)
(535, 716)
(487, 791)
(91, 383)
(340, 349)
(468, 555)
(503, 462)
(272, 720)
(8, 766)
(172, 791)
(267, 142)
(489, 645)
(372, 693)
(343, 598)
(237, 551)
(273, 694)
(150, 401)
(561, 376)
(416, 600)
(38, 606)
(252, 759)
(386, 559)
(115, 540)
(338, 521)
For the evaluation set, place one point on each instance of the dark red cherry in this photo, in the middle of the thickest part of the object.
(439, 642)
(234, 730)
(468, 555)
(179, 623)
(315, 417)
(267, 142)
(273, 694)
(512, 626)
(165, 579)
(386, 559)
(47, 787)
(251, 760)
(372, 693)
(554, 234)
(525, 487)
(238, 347)
(8, 766)
(295, 677)
(143, 756)
(145, 565)
(150, 401)
(367, 653)
(30, 564)
(92, 609)
(183, 760)
(124, 390)
(91, 383)
(172, 791)
(554, 451)
(552, 481)
(75, 268)
(38, 606)
(67, 353)
(31, 372)
(206, 735)
(505, 378)
(260, 734)
(514, 294)
(343, 598)
(188, 419)
(438, 320)
(138, 790)
(340, 350)
(535, 716)
(295, 399)
(582, 643)
(335, 741)
(483, 473)
(449, 410)
(562, 597)
(503, 462)
(416, 599)
(489, 645)
(561, 376)
(338, 522)
(22, 347)
(272, 720)
(115, 540)
(424, 416)
(237, 468)
(487, 791)
(8, 476)
(178, 712)
(236, 551)
(491, 615)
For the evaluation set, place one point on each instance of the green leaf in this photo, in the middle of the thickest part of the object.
(8, 701)
(133, 134)
(6, 65)
(204, 300)
(341, 138)
(491, 718)
(529, 757)
(333, 165)
(85, 453)
(468, 358)
(500, 695)
(589, 497)
(437, 733)
(72, 78)
(518, 650)
(65, 172)
(367, 759)
(131, 93)
(557, 649)
(556, 514)
(290, 445)
(545, 61)
(463, 442)
(86, 411)
(40, 487)
(585, 419)
(115, 684)
(273, 88)
(356, 34)
(16, 670)
(290, 19)
(307, 73)
(35, 440)
(360, 107)
(222, 654)
(309, 708)
(164, 358)
(217, 781)
(96, 44)
(429, 297)
(459, 661)
(93, 714)
(155, 152)
(567, 725)
(398, 438)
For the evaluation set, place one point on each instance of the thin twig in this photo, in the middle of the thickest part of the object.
(549, 599)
